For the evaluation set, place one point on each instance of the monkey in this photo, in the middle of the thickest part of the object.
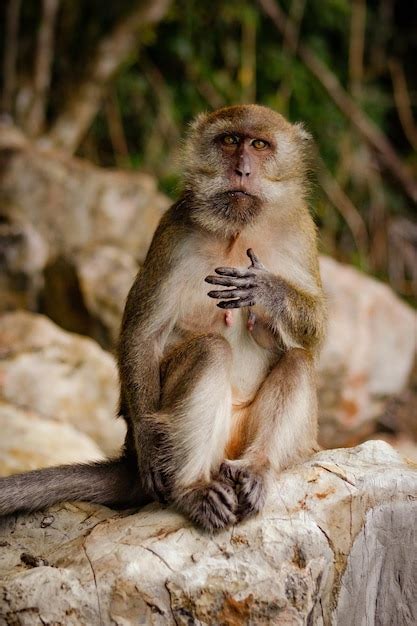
(217, 387)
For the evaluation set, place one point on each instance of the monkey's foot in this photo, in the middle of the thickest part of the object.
(212, 506)
(153, 454)
(250, 487)
(157, 485)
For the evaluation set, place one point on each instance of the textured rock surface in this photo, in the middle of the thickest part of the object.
(64, 205)
(23, 256)
(60, 376)
(106, 274)
(336, 545)
(368, 354)
(73, 203)
(405, 445)
(87, 293)
(29, 441)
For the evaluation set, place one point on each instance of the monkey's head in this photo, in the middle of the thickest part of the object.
(240, 159)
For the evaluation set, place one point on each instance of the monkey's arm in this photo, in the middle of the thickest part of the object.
(296, 315)
(148, 319)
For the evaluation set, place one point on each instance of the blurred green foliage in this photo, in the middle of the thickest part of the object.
(209, 54)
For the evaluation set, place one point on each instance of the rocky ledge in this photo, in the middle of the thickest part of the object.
(335, 545)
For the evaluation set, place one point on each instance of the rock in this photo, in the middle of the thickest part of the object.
(60, 376)
(29, 441)
(406, 446)
(384, 556)
(400, 412)
(105, 276)
(336, 544)
(87, 294)
(23, 255)
(71, 204)
(368, 354)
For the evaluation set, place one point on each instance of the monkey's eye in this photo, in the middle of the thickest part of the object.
(229, 140)
(260, 144)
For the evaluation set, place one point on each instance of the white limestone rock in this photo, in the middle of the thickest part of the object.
(29, 441)
(368, 354)
(105, 275)
(51, 207)
(335, 545)
(73, 203)
(61, 376)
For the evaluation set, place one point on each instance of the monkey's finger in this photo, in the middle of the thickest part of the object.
(229, 293)
(255, 261)
(231, 281)
(233, 271)
(252, 256)
(237, 304)
(223, 495)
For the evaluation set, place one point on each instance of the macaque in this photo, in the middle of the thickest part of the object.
(219, 335)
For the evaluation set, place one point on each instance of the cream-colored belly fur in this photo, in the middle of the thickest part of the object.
(198, 314)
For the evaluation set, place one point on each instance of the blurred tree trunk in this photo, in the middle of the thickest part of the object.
(111, 52)
(10, 55)
(44, 55)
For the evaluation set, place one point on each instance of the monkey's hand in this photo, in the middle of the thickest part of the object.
(152, 447)
(249, 287)
(249, 485)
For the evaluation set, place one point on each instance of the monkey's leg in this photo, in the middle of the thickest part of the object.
(196, 405)
(281, 429)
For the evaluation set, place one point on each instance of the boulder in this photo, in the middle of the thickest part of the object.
(401, 411)
(60, 376)
(106, 274)
(335, 545)
(87, 293)
(29, 441)
(73, 203)
(368, 354)
(405, 445)
(52, 205)
(23, 256)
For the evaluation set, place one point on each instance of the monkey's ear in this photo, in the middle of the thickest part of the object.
(302, 133)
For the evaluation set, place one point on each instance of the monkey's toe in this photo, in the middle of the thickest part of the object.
(157, 485)
(249, 485)
(229, 472)
(251, 493)
(212, 506)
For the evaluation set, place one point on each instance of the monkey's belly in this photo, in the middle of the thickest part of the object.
(250, 365)
(251, 360)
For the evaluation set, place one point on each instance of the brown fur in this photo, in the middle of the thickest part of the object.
(213, 408)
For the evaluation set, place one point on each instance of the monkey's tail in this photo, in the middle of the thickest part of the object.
(112, 482)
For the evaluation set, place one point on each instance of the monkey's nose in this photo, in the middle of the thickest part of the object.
(241, 171)
(243, 167)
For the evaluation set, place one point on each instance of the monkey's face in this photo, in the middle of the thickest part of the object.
(239, 160)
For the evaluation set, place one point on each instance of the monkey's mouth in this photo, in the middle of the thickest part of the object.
(236, 193)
